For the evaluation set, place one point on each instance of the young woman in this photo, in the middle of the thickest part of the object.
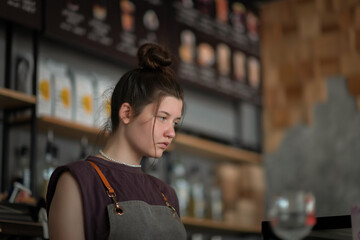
(107, 196)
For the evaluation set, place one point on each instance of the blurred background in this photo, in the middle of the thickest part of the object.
(271, 91)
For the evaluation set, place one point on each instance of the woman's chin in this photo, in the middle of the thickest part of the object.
(158, 154)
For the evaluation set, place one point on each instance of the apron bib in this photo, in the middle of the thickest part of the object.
(142, 221)
(138, 220)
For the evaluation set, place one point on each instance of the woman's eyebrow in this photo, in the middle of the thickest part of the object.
(168, 114)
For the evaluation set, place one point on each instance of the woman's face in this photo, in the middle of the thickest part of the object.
(150, 133)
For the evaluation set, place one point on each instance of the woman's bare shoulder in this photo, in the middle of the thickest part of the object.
(66, 210)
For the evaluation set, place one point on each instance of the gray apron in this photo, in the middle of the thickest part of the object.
(138, 220)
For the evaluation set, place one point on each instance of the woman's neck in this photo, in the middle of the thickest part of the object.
(118, 149)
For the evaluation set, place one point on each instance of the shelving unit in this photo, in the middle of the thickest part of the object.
(183, 142)
(13, 99)
(10, 101)
(74, 130)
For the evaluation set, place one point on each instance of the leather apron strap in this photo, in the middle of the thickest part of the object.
(111, 192)
(103, 178)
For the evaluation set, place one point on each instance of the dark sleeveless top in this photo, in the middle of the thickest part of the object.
(129, 183)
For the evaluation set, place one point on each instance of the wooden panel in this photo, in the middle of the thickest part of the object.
(309, 25)
(269, 14)
(271, 38)
(296, 114)
(327, 45)
(306, 71)
(310, 93)
(320, 88)
(281, 118)
(329, 66)
(357, 40)
(346, 45)
(341, 5)
(345, 19)
(271, 97)
(287, 12)
(356, 17)
(294, 94)
(325, 6)
(353, 82)
(305, 50)
(288, 48)
(273, 140)
(13, 99)
(272, 76)
(289, 30)
(288, 75)
(329, 23)
(349, 64)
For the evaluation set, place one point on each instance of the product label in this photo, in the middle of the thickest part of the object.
(84, 111)
(63, 97)
(44, 89)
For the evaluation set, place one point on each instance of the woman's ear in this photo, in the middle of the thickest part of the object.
(125, 112)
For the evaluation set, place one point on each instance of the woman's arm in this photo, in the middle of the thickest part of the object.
(66, 218)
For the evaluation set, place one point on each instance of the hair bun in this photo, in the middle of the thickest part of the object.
(152, 56)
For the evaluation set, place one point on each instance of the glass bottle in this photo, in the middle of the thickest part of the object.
(216, 204)
(23, 173)
(182, 187)
(198, 204)
(49, 165)
(84, 148)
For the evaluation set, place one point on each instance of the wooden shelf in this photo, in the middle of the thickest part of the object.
(68, 129)
(20, 228)
(183, 142)
(13, 99)
(206, 224)
(214, 150)
(72, 130)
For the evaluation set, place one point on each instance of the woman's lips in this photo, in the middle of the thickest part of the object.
(163, 145)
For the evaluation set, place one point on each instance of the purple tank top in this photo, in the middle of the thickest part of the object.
(129, 183)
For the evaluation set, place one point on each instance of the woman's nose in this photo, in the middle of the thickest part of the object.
(170, 132)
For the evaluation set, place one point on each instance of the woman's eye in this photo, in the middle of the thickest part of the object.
(161, 118)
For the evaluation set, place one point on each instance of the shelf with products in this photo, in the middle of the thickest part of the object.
(74, 130)
(67, 129)
(219, 226)
(183, 142)
(14, 99)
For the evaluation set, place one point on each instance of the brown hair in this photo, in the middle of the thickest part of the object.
(150, 82)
